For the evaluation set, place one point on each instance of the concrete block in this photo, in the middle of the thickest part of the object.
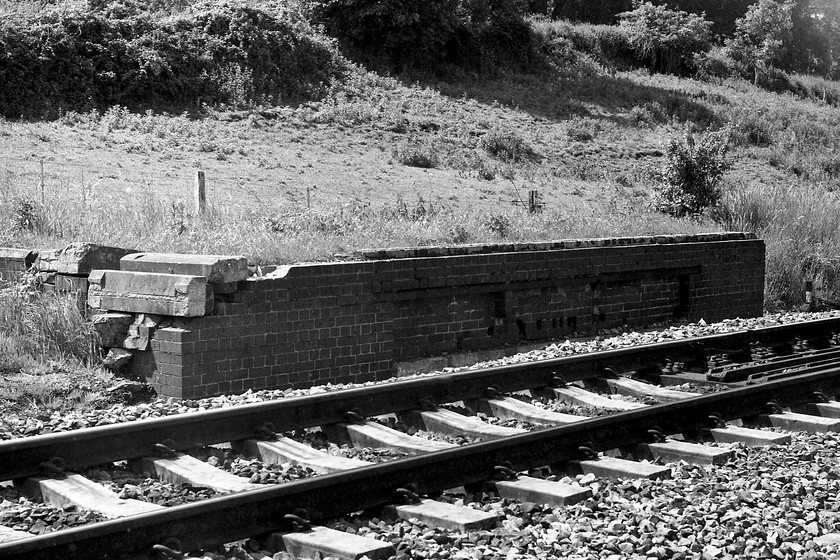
(445, 421)
(537, 490)
(639, 389)
(511, 408)
(748, 436)
(76, 490)
(613, 467)
(372, 434)
(286, 450)
(582, 397)
(217, 269)
(112, 328)
(145, 292)
(185, 469)
(448, 516)
(81, 259)
(322, 542)
(691, 453)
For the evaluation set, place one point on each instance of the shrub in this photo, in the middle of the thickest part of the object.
(498, 224)
(417, 153)
(692, 173)
(667, 40)
(117, 53)
(762, 37)
(424, 33)
(507, 145)
(582, 129)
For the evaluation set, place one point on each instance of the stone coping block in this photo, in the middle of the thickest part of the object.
(81, 259)
(218, 269)
(174, 295)
(17, 259)
(479, 249)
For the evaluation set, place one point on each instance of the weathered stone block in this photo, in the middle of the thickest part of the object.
(112, 328)
(16, 260)
(216, 268)
(175, 295)
(64, 283)
(81, 259)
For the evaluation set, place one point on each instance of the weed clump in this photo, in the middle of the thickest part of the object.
(507, 145)
(416, 153)
(693, 172)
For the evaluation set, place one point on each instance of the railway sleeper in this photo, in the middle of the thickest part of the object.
(829, 409)
(76, 490)
(185, 469)
(515, 409)
(581, 397)
(287, 450)
(748, 436)
(323, 542)
(445, 516)
(446, 422)
(7, 534)
(691, 453)
(615, 467)
(373, 434)
(795, 421)
(541, 491)
(639, 389)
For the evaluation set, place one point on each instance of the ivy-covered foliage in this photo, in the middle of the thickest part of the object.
(120, 52)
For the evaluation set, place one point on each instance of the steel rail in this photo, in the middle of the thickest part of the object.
(87, 447)
(226, 519)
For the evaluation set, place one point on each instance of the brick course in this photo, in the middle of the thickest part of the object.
(351, 321)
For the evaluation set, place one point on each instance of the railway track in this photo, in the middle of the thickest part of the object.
(575, 442)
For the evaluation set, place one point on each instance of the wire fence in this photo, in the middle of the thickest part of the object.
(44, 181)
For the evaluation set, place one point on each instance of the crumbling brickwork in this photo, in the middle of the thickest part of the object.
(351, 321)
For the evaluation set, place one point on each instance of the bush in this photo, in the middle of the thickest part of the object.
(667, 40)
(692, 174)
(401, 34)
(507, 146)
(417, 153)
(118, 53)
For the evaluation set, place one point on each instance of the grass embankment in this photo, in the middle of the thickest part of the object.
(324, 156)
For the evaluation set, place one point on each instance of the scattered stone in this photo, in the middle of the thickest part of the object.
(117, 358)
(112, 328)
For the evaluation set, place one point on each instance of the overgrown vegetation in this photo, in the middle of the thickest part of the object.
(83, 55)
(694, 168)
(467, 91)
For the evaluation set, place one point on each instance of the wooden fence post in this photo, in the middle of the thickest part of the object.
(200, 195)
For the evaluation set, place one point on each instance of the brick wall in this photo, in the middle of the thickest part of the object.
(351, 321)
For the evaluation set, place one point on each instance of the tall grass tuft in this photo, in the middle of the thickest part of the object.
(801, 227)
(43, 326)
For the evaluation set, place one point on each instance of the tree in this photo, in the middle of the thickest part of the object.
(762, 36)
(666, 39)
